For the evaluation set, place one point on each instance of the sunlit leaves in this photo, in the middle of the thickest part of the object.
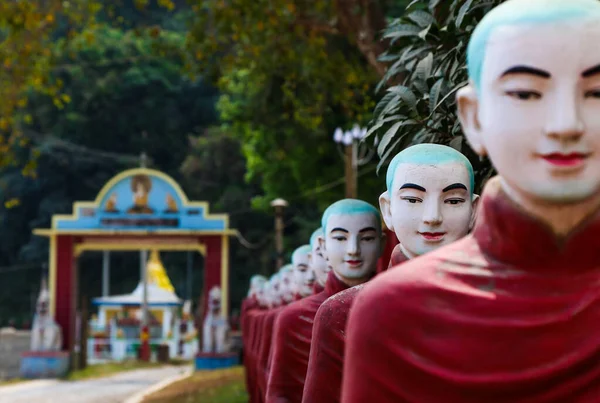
(28, 55)
(428, 57)
(289, 76)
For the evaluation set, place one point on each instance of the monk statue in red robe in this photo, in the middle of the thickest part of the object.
(253, 324)
(429, 203)
(303, 279)
(351, 242)
(318, 262)
(511, 312)
(304, 274)
(432, 204)
(249, 304)
(282, 294)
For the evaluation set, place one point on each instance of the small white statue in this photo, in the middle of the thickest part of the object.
(45, 333)
(215, 329)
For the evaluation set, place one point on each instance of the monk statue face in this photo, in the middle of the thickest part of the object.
(352, 241)
(261, 295)
(256, 284)
(429, 204)
(304, 274)
(286, 284)
(317, 260)
(273, 291)
(534, 96)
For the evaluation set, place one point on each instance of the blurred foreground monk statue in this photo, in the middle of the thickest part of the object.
(351, 242)
(510, 313)
(429, 203)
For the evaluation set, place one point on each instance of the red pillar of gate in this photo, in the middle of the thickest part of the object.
(65, 289)
(212, 265)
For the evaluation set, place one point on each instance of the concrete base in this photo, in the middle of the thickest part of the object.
(44, 364)
(209, 362)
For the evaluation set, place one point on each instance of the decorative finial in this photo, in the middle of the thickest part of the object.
(143, 155)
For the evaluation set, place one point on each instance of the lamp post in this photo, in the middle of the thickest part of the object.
(279, 205)
(356, 154)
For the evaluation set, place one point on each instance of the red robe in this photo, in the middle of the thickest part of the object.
(391, 243)
(324, 376)
(317, 288)
(265, 348)
(508, 314)
(248, 304)
(291, 343)
(256, 325)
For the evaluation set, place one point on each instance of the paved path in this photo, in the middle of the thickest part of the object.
(113, 389)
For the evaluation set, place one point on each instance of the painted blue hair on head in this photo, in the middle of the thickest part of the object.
(522, 12)
(314, 238)
(428, 154)
(275, 277)
(301, 250)
(285, 268)
(350, 207)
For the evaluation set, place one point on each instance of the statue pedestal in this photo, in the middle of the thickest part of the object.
(44, 364)
(210, 361)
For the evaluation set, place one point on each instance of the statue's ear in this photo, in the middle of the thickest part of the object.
(386, 210)
(468, 114)
(321, 240)
(475, 203)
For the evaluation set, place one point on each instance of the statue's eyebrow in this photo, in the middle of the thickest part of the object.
(367, 230)
(339, 229)
(526, 70)
(592, 71)
(413, 186)
(453, 187)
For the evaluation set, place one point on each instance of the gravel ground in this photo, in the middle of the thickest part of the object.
(112, 389)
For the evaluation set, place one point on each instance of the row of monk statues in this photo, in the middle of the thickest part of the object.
(486, 299)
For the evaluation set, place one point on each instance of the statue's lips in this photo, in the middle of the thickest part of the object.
(569, 160)
(354, 263)
(432, 236)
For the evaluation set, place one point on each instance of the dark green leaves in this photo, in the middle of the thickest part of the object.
(427, 58)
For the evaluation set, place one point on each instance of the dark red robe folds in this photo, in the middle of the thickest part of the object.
(248, 304)
(508, 314)
(256, 324)
(391, 242)
(324, 376)
(317, 288)
(291, 343)
(265, 348)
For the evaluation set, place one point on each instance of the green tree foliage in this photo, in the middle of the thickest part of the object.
(29, 52)
(427, 55)
(118, 86)
(290, 73)
(215, 170)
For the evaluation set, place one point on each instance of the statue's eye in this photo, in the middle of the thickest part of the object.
(524, 95)
(455, 201)
(412, 200)
(593, 93)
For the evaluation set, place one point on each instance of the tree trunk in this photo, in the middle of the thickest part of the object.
(363, 21)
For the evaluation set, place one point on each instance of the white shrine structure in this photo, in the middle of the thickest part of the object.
(114, 334)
